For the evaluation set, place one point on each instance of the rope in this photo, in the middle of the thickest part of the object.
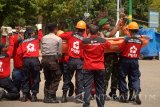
(143, 21)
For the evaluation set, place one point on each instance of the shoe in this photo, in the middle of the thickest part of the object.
(34, 98)
(24, 97)
(123, 98)
(64, 98)
(131, 97)
(29, 97)
(53, 96)
(113, 96)
(137, 100)
(136, 97)
(2, 94)
(49, 98)
(71, 89)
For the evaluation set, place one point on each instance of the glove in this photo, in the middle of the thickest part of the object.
(4, 31)
(39, 26)
(9, 31)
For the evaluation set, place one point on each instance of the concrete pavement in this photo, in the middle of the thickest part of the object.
(150, 95)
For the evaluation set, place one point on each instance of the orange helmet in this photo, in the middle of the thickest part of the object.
(133, 25)
(59, 32)
(81, 25)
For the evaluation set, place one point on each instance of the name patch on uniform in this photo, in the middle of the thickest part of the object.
(134, 41)
(28, 40)
(78, 36)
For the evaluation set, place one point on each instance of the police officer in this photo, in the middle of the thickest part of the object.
(51, 52)
(29, 50)
(94, 69)
(130, 51)
(5, 80)
(111, 59)
(75, 59)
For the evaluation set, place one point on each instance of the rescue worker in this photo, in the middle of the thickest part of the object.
(64, 67)
(29, 50)
(111, 59)
(130, 51)
(75, 60)
(5, 80)
(94, 70)
(18, 61)
(51, 52)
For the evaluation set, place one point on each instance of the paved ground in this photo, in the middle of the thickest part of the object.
(150, 83)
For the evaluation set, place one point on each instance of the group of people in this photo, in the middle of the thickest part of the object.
(85, 56)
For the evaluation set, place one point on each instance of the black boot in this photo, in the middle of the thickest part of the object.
(131, 97)
(64, 98)
(49, 98)
(54, 98)
(113, 95)
(123, 97)
(2, 94)
(29, 97)
(24, 97)
(136, 96)
(34, 97)
(71, 89)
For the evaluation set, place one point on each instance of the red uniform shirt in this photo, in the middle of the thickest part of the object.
(30, 47)
(74, 40)
(93, 53)
(5, 60)
(131, 47)
(17, 60)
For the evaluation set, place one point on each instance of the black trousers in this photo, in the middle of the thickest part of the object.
(31, 70)
(130, 68)
(98, 77)
(74, 64)
(52, 73)
(64, 70)
(7, 84)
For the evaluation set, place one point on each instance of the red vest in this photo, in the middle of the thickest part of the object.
(74, 41)
(5, 60)
(30, 47)
(131, 47)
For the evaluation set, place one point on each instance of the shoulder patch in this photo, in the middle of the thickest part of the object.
(77, 36)
(4, 55)
(29, 39)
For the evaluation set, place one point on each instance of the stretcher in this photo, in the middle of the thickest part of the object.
(115, 44)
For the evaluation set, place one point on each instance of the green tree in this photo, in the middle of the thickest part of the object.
(140, 9)
(13, 12)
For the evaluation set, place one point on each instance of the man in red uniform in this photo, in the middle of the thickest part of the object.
(75, 59)
(5, 81)
(94, 69)
(18, 61)
(29, 50)
(130, 51)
